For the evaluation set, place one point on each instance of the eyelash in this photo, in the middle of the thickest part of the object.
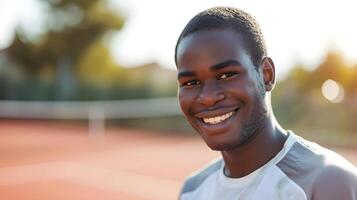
(189, 83)
(228, 74)
(192, 83)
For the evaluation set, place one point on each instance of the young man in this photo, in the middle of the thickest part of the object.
(225, 79)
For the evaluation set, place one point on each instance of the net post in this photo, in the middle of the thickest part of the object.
(96, 121)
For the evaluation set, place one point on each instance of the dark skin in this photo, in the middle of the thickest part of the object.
(226, 99)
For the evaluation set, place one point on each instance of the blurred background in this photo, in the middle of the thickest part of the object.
(88, 104)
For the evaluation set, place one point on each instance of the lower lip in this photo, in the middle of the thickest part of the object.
(219, 127)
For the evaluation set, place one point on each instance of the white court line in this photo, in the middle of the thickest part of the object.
(146, 187)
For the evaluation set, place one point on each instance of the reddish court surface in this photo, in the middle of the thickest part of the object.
(43, 161)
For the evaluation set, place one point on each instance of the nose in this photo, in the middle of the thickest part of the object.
(210, 94)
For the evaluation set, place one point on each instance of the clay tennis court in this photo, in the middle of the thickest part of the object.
(43, 160)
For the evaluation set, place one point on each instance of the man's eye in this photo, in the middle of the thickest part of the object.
(227, 75)
(191, 83)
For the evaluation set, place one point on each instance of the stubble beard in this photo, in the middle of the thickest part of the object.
(251, 128)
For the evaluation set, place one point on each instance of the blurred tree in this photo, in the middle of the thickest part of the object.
(351, 97)
(71, 27)
(97, 67)
(291, 91)
(351, 87)
(299, 103)
(333, 67)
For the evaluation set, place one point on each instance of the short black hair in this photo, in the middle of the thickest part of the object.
(235, 19)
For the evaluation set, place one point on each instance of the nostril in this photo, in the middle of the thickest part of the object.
(210, 100)
(203, 100)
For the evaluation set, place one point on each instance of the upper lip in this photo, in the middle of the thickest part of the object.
(207, 113)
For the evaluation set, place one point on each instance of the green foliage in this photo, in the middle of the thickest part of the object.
(70, 59)
(298, 101)
(333, 67)
(72, 27)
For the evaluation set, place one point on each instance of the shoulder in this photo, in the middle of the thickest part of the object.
(320, 172)
(306, 156)
(337, 180)
(198, 177)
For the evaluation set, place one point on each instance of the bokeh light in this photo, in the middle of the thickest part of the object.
(333, 91)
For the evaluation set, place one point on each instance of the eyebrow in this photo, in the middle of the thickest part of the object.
(214, 67)
(186, 74)
(224, 64)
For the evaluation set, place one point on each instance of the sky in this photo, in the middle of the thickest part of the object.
(295, 31)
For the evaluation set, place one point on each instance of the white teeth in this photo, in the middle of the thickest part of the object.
(217, 119)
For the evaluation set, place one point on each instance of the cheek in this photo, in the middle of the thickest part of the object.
(238, 91)
(243, 89)
(186, 100)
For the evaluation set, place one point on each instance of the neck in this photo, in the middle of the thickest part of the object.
(265, 144)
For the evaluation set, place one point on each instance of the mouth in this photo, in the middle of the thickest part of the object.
(217, 119)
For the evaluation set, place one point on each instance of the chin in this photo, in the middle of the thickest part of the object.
(223, 145)
(228, 141)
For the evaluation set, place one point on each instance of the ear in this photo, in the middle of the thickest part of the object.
(268, 70)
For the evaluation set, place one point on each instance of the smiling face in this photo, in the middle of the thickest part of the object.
(220, 92)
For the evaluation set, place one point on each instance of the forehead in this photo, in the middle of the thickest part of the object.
(209, 47)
